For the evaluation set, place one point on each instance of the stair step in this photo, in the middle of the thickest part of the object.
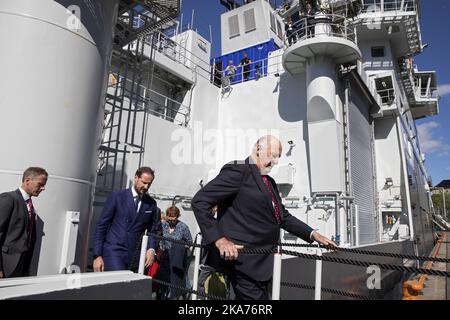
(112, 97)
(108, 149)
(110, 127)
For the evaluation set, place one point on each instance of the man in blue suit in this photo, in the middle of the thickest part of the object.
(125, 217)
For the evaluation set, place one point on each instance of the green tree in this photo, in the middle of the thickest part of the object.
(438, 203)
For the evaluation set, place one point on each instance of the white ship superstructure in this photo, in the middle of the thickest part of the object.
(343, 98)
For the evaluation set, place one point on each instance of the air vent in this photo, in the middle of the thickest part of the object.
(249, 20)
(233, 24)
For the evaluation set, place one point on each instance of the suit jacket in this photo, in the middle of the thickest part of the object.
(119, 227)
(246, 216)
(14, 234)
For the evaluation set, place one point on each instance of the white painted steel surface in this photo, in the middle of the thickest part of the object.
(52, 84)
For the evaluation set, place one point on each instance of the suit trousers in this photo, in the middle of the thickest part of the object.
(116, 261)
(21, 269)
(246, 288)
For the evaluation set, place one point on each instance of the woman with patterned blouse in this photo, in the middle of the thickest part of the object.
(173, 256)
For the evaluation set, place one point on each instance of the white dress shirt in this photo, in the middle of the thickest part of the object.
(25, 195)
(136, 195)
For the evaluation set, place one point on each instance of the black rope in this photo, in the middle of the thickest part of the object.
(374, 253)
(368, 264)
(329, 258)
(284, 284)
(331, 248)
(197, 292)
(257, 251)
(327, 290)
(187, 243)
(350, 261)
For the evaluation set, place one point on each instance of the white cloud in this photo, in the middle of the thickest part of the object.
(443, 90)
(428, 142)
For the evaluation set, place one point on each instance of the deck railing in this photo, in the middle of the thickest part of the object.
(389, 6)
(253, 71)
(386, 97)
(179, 54)
(154, 102)
(319, 25)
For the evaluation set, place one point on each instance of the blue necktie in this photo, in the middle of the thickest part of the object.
(136, 203)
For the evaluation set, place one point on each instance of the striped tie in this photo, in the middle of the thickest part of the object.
(31, 218)
(274, 200)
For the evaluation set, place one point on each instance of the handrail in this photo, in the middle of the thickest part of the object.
(179, 54)
(425, 93)
(387, 96)
(257, 69)
(153, 91)
(410, 70)
(307, 28)
(178, 29)
(147, 98)
(389, 6)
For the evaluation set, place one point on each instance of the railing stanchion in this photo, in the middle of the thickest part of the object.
(318, 286)
(142, 255)
(197, 251)
(276, 281)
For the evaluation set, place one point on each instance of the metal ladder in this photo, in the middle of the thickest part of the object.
(122, 104)
(407, 81)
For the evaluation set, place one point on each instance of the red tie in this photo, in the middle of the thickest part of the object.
(31, 218)
(274, 200)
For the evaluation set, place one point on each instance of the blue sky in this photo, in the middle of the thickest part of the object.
(434, 132)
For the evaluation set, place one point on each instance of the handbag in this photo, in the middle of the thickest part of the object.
(154, 268)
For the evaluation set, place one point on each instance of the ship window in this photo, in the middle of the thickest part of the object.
(233, 24)
(272, 22)
(377, 52)
(280, 31)
(385, 90)
(249, 20)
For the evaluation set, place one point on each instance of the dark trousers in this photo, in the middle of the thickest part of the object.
(291, 37)
(116, 261)
(22, 268)
(246, 73)
(246, 288)
(19, 271)
(172, 274)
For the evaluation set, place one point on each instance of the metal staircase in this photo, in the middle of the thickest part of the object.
(125, 118)
(406, 77)
(413, 34)
(155, 15)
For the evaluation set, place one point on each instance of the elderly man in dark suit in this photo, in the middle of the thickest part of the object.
(18, 224)
(250, 215)
(125, 217)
